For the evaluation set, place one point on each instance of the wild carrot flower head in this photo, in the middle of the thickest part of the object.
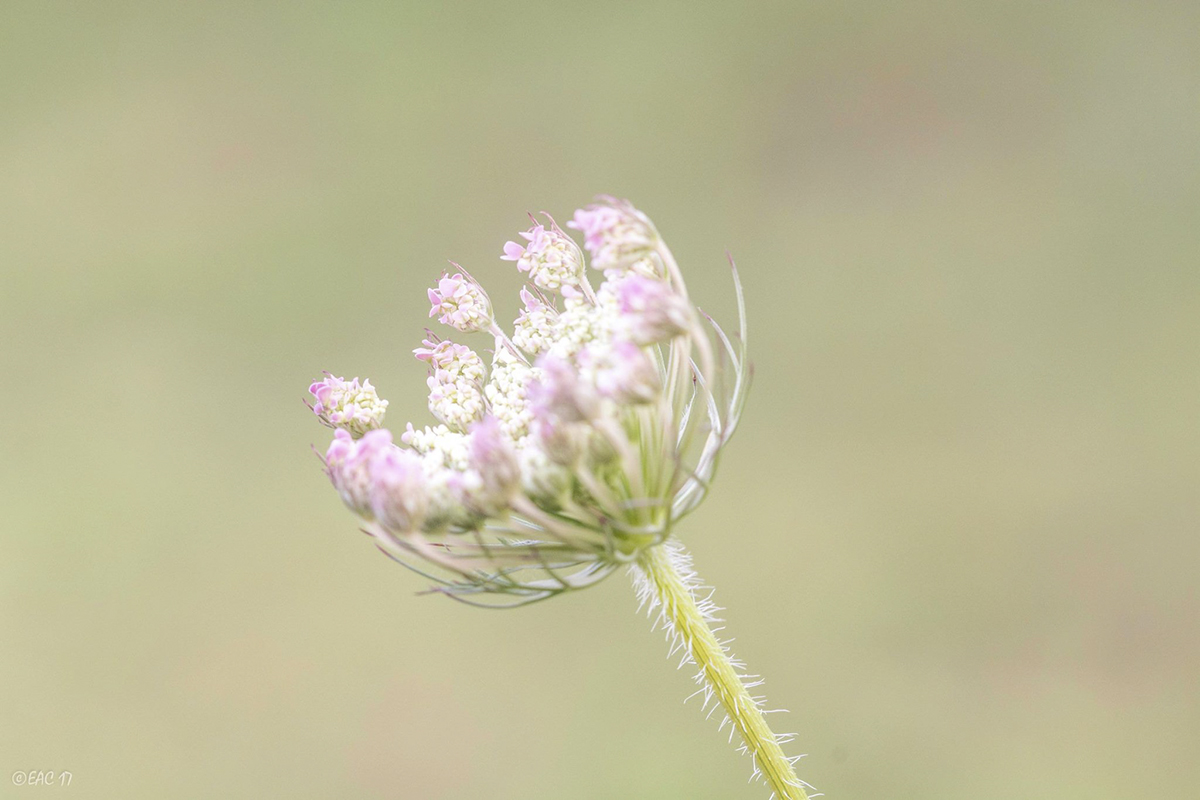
(596, 426)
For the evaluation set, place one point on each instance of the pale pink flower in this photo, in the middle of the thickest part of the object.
(348, 465)
(622, 372)
(340, 403)
(651, 311)
(441, 354)
(615, 234)
(461, 303)
(456, 375)
(534, 328)
(561, 391)
(551, 258)
(494, 475)
(544, 478)
(398, 493)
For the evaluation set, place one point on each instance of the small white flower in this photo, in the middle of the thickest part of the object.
(444, 446)
(507, 394)
(579, 323)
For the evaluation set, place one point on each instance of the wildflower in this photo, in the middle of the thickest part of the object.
(398, 494)
(551, 258)
(596, 428)
(651, 310)
(617, 236)
(593, 430)
(534, 328)
(461, 303)
(494, 474)
(562, 392)
(348, 405)
(622, 372)
(455, 382)
(348, 464)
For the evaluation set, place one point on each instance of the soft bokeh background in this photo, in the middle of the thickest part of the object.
(957, 533)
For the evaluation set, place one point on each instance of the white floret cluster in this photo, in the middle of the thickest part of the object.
(456, 375)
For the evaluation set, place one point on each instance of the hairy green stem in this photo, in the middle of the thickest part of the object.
(675, 592)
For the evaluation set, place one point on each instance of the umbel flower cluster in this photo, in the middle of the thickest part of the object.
(567, 446)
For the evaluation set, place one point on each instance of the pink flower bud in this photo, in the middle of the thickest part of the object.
(455, 382)
(458, 301)
(494, 475)
(561, 393)
(622, 372)
(562, 442)
(533, 330)
(441, 354)
(551, 258)
(651, 310)
(615, 233)
(340, 403)
(398, 493)
(348, 464)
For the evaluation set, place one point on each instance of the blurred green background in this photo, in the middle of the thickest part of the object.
(957, 532)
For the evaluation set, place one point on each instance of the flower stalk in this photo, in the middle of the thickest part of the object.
(665, 580)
